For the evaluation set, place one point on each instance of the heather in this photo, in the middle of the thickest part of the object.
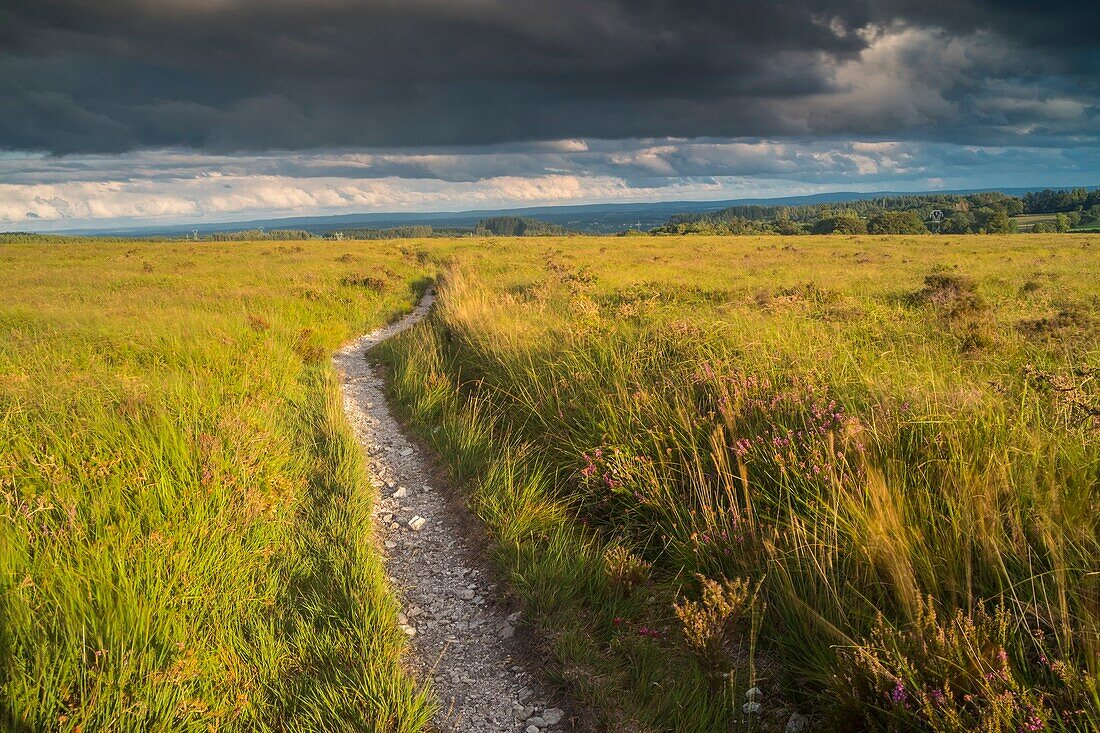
(185, 537)
(855, 477)
(731, 481)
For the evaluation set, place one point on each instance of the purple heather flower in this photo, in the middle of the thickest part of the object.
(898, 695)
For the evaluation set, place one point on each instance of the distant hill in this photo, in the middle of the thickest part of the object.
(584, 218)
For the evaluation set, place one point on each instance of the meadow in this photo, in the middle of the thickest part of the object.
(730, 478)
(858, 474)
(185, 534)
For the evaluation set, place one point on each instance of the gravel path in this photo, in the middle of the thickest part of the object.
(460, 637)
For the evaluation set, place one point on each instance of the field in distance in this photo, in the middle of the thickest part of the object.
(736, 481)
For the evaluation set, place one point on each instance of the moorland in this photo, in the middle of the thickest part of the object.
(858, 473)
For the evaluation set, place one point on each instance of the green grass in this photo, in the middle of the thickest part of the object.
(185, 538)
(895, 438)
(184, 518)
(1027, 221)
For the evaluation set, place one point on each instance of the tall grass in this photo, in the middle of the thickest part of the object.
(858, 473)
(894, 439)
(184, 519)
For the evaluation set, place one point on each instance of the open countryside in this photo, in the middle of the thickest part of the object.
(702, 467)
(549, 366)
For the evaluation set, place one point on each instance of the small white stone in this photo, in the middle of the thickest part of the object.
(751, 708)
(417, 522)
(532, 729)
(553, 716)
(797, 723)
(406, 452)
(401, 493)
(753, 693)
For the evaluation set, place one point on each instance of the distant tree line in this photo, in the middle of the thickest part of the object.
(516, 226)
(499, 226)
(1054, 202)
(42, 238)
(34, 238)
(987, 212)
(419, 231)
(250, 235)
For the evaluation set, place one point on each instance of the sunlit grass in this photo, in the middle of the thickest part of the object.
(184, 519)
(884, 448)
(895, 436)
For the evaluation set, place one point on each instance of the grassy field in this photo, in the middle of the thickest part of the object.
(859, 473)
(184, 522)
(1027, 222)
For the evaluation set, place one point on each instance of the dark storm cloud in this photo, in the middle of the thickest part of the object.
(224, 75)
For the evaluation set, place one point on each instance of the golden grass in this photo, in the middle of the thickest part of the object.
(184, 519)
(897, 436)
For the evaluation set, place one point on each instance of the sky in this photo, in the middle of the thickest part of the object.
(123, 112)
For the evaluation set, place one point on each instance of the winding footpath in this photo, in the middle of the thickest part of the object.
(460, 637)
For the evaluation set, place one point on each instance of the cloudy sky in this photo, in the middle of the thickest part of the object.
(163, 111)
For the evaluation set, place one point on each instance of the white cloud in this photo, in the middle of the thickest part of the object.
(170, 186)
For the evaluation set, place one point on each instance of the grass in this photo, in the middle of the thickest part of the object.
(1027, 221)
(885, 448)
(184, 517)
(858, 473)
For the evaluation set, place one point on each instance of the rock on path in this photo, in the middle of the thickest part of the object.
(459, 637)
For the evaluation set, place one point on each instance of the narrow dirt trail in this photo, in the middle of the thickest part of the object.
(459, 636)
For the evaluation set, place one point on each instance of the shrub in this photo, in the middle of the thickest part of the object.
(374, 284)
(956, 299)
(625, 570)
(955, 675)
(1067, 322)
(707, 623)
(955, 295)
